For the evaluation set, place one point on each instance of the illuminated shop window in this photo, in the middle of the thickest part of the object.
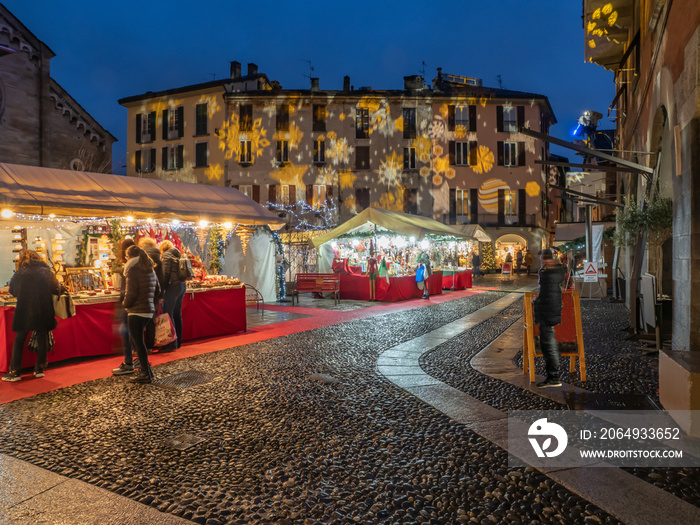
(362, 123)
(319, 151)
(409, 158)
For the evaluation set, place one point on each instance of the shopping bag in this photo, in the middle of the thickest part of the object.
(165, 330)
(63, 306)
(420, 273)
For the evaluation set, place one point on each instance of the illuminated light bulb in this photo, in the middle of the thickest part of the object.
(52, 215)
(228, 225)
(334, 244)
(175, 222)
(424, 244)
(129, 219)
(149, 220)
(355, 242)
(412, 239)
(203, 223)
(6, 213)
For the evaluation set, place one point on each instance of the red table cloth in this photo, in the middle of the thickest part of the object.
(341, 266)
(399, 288)
(93, 330)
(457, 280)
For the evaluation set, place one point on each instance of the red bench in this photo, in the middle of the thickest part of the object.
(317, 282)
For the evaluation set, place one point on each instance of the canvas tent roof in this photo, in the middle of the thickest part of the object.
(43, 191)
(394, 221)
(474, 231)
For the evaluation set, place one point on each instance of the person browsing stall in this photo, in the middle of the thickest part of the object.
(33, 284)
(141, 288)
(173, 290)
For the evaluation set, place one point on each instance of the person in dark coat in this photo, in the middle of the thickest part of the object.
(476, 263)
(547, 310)
(173, 290)
(33, 284)
(141, 288)
(148, 245)
(127, 367)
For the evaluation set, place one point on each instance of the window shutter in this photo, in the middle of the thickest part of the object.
(500, 152)
(472, 118)
(405, 158)
(329, 192)
(501, 207)
(152, 160)
(137, 161)
(521, 117)
(272, 193)
(152, 125)
(165, 124)
(521, 207)
(138, 129)
(521, 154)
(256, 192)
(310, 194)
(473, 206)
(451, 149)
(473, 150)
(406, 196)
(180, 121)
(499, 118)
(293, 195)
(453, 206)
(180, 156)
(450, 117)
(165, 158)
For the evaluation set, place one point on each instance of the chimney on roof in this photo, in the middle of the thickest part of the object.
(235, 69)
(413, 83)
(346, 83)
(252, 69)
(314, 84)
(439, 74)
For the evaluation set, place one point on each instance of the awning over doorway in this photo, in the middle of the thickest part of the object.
(568, 231)
(45, 191)
(473, 231)
(393, 221)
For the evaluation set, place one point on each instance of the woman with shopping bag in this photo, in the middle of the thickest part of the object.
(141, 288)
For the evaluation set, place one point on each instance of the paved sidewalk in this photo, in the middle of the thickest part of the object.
(609, 488)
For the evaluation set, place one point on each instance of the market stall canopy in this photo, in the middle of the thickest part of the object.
(392, 221)
(473, 231)
(568, 231)
(45, 191)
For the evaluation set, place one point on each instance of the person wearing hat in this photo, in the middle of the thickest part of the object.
(547, 310)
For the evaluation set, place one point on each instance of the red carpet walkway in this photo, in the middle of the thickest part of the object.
(60, 376)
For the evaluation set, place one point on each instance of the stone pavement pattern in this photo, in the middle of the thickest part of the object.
(283, 448)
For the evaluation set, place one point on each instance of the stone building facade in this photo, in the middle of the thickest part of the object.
(653, 47)
(450, 150)
(40, 123)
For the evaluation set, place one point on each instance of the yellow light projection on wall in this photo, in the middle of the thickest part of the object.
(350, 203)
(488, 194)
(214, 172)
(484, 160)
(212, 104)
(390, 170)
(230, 138)
(346, 179)
(392, 200)
(532, 189)
(291, 175)
(423, 148)
(338, 151)
(294, 135)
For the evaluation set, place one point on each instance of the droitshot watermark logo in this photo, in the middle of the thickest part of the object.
(577, 438)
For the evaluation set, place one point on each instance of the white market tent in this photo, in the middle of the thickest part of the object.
(393, 221)
(473, 231)
(44, 191)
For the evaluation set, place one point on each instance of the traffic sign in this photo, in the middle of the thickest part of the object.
(590, 272)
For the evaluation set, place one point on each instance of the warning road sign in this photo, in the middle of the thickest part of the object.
(590, 272)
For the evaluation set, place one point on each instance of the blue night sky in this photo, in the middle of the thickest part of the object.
(109, 50)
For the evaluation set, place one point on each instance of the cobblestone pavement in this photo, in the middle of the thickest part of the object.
(284, 444)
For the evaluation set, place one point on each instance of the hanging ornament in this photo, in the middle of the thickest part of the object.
(244, 234)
